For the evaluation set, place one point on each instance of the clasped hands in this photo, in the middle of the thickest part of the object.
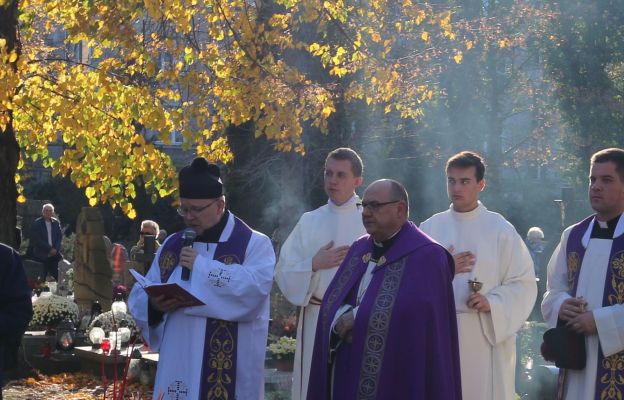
(344, 326)
(573, 312)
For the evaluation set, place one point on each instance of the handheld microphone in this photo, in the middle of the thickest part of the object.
(188, 237)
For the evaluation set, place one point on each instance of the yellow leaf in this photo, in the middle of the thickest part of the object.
(132, 214)
(13, 56)
(458, 57)
(469, 44)
(425, 36)
(92, 202)
(502, 43)
(21, 199)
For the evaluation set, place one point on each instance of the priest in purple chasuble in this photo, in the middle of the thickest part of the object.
(585, 289)
(217, 350)
(387, 326)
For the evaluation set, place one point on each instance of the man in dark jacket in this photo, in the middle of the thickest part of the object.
(45, 238)
(15, 307)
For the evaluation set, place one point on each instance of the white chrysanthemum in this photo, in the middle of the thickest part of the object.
(284, 346)
(106, 321)
(51, 310)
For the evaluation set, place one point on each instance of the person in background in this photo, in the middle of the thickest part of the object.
(535, 243)
(162, 235)
(148, 227)
(45, 238)
(15, 307)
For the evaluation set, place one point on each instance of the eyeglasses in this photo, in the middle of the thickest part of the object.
(182, 211)
(374, 206)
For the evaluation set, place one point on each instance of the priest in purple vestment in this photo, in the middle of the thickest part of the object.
(387, 327)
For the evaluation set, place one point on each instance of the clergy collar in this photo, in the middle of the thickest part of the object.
(380, 248)
(604, 229)
(617, 232)
(212, 234)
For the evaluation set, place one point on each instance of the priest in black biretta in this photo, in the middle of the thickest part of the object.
(200, 180)
(224, 272)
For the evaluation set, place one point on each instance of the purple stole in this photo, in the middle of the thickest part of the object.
(221, 338)
(610, 370)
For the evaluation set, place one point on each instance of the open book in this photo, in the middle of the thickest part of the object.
(170, 290)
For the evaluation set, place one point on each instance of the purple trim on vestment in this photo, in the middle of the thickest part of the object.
(169, 257)
(610, 370)
(221, 339)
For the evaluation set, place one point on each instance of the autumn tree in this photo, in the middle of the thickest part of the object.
(151, 67)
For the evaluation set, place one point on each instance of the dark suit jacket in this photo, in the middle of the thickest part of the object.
(15, 306)
(39, 238)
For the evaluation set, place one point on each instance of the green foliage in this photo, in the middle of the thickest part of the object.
(584, 57)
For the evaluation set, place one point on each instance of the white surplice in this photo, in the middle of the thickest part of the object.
(581, 384)
(299, 284)
(487, 341)
(231, 292)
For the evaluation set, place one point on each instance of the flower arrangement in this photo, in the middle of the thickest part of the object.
(283, 347)
(107, 320)
(51, 310)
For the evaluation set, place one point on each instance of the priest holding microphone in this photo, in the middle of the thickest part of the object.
(229, 267)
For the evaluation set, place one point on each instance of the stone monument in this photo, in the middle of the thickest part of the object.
(92, 272)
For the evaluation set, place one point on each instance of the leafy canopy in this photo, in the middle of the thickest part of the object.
(130, 72)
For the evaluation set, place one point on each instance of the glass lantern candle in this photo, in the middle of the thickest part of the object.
(124, 335)
(119, 305)
(115, 341)
(96, 335)
(105, 345)
(65, 335)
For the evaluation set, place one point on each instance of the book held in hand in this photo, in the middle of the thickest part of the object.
(169, 290)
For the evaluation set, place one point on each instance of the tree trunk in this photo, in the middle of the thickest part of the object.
(9, 149)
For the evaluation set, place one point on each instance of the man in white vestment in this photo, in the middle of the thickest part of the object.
(486, 248)
(215, 350)
(313, 251)
(585, 288)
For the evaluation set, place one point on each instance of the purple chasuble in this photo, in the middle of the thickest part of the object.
(221, 338)
(405, 334)
(610, 370)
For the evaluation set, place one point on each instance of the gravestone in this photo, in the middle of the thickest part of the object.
(63, 280)
(92, 272)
